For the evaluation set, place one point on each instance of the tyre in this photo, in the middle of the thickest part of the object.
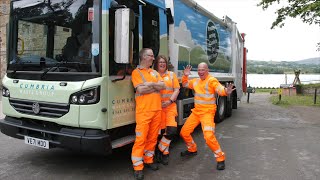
(229, 106)
(234, 101)
(221, 109)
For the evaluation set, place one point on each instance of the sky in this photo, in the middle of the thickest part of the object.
(295, 41)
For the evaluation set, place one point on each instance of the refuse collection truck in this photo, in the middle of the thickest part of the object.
(69, 63)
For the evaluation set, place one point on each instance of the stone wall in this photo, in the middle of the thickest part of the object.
(4, 17)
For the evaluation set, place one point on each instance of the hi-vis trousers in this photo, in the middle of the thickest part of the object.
(208, 128)
(169, 124)
(147, 126)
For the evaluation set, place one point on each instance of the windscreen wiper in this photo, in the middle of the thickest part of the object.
(57, 65)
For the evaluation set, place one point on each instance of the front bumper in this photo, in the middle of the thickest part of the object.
(78, 139)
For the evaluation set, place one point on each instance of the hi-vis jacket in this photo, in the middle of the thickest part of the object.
(146, 102)
(204, 93)
(171, 82)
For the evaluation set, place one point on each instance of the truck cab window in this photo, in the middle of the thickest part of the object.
(151, 28)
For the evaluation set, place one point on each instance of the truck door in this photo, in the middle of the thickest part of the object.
(151, 28)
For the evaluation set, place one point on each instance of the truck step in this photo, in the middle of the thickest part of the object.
(123, 141)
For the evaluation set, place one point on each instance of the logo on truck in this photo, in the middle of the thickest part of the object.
(36, 108)
(212, 42)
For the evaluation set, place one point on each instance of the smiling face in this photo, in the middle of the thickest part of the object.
(149, 57)
(203, 71)
(162, 65)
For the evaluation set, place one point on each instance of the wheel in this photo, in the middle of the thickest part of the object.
(234, 101)
(221, 109)
(229, 106)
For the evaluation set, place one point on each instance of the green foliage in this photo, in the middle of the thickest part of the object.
(307, 10)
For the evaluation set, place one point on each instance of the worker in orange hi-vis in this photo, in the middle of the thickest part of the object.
(147, 83)
(204, 110)
(169, 109)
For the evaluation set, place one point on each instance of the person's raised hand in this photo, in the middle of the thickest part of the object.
(187, 70)
(230, 88)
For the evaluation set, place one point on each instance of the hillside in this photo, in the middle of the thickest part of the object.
(315, 61)
(307, 66)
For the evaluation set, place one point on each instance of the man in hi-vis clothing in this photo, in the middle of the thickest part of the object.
(147, 83)
(203, 112)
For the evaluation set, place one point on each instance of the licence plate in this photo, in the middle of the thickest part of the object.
(36, 142)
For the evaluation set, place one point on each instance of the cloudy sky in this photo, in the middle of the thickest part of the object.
(294, 41)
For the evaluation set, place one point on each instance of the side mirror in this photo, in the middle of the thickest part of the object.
(124, 23)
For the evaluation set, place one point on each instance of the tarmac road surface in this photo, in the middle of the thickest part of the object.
(261, 141)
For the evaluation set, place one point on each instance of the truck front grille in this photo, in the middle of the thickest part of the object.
(44, 109)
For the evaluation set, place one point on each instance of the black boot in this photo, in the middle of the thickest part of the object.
(188, 153)
(138, 175)
(221, 165)
(158, 156)
(165, 159)
(154, 166)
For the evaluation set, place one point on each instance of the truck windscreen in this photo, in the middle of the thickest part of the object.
(54, 36)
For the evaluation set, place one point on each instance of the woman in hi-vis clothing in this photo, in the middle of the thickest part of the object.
(169, 108)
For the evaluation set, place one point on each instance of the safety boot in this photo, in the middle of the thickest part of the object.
(138, 175)
(165, 159)
(188, 153)
(221, 165)
(158, 156)
(154, 166)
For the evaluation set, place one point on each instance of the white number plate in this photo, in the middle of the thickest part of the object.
(36, 142)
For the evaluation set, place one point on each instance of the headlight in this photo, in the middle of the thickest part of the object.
(5, 92)
(87, 96)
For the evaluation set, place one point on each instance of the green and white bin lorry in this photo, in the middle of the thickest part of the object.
(69, 63)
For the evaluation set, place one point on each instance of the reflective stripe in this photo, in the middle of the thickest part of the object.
(217, 154)
(217, 151)
(135, 158)
(220, 89)
(143, 79)
(148, 153)
(166, 95)
(190, 144)
(138, 163)
(138, 134)
(155, 73)
(159, 132)
(169, 89)
(195, 83)
(162, 147)
(204, 95)
(165, 140)
(185, 85)
(207, 88)
(208, 128)
(204, 102)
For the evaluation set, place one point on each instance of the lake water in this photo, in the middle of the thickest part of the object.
(274, 80)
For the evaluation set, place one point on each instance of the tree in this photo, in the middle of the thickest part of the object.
(307, 10)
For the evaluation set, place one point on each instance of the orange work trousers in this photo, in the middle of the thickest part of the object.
(147, 126)
(208, 128)
(168, 118)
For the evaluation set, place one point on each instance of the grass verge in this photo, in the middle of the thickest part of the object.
(299, 100)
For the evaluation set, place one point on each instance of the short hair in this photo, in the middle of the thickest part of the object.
(157, 62)
(143, 52)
